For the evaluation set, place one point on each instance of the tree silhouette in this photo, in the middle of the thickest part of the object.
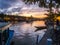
(42, 3)
(57, 1)
(51, 4)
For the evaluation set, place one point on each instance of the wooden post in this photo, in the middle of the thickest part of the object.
(8, 32)
(37, 40)
(0, 38)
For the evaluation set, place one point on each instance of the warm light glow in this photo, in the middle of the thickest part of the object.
(39, 23)
(27, 15)
(34, 14)
(41, 16)
(58, 18)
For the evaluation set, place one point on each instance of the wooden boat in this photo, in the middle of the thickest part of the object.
(40, 28)
(8, 35)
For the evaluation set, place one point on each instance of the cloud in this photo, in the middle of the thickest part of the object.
(10, 5)
(18, 6)
(6, 3)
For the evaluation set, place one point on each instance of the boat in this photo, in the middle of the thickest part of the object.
(8, 36)
(40, 28)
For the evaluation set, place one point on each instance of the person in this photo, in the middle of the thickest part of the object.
(57, 22)
(57, 33)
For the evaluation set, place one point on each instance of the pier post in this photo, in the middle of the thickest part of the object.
(37, 40)
(0, 38)
(8, 32)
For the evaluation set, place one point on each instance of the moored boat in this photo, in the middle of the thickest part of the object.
(40, 28)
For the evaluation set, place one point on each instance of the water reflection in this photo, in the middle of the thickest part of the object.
(24, 32)
(38, 23)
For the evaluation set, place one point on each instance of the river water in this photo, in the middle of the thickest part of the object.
(25, 32)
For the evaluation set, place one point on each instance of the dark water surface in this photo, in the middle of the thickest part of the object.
(25, 32)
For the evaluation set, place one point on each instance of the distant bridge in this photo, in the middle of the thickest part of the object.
(17, 18)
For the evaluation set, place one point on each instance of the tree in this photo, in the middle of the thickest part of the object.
(41, 2)
(57, 1)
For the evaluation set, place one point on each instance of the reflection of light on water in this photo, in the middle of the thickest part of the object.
(25, 31)
(41, 34)
(39, 23)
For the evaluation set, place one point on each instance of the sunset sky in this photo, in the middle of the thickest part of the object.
(20, 8)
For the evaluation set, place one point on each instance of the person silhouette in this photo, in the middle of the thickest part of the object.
(57, 22)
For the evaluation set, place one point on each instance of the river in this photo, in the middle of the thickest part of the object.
(25, 32)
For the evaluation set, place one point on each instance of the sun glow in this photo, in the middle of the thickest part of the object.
(58, 18)
(34, 14)
(27, 15)
(41, 16)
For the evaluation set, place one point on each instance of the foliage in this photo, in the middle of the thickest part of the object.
(42, 3)
(57, 1)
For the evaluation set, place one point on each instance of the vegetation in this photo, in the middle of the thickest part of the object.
(52, 15)
(48, 4)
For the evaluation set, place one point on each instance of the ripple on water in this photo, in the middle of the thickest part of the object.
(24, 33)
